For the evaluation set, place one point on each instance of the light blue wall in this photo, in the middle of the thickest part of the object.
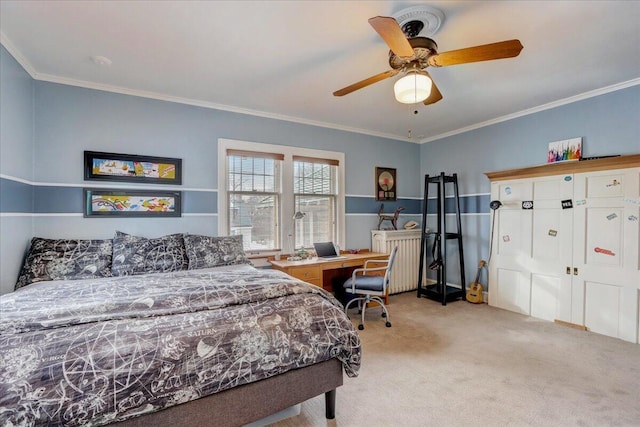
(608, 124)
(16, 159)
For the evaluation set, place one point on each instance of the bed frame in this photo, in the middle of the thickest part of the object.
(253, 401)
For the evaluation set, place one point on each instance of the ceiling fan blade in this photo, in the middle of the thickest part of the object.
(435, 95)
(486, 52)
(366, 82)
(392, 34)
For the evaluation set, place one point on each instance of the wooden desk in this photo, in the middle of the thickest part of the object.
(320, 272)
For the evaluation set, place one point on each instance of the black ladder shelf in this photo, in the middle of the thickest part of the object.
(440, 291)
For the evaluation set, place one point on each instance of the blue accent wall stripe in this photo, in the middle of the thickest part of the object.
(200, 202)
(57, 199)
(15, 196)
(468, 204)
(20, 197)
(371, 206)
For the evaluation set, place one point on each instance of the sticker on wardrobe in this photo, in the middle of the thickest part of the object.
(633, 201)
(603, 251)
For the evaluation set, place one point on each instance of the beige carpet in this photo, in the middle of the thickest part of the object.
(475, 365)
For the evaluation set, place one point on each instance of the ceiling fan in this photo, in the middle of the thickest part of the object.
(411, 54)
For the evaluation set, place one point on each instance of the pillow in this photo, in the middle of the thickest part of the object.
(134, 255)
(50, 259)
(209, 251)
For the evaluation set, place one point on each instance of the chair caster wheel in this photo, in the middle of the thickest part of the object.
(388, 324)
(361, 327)
(384, 314)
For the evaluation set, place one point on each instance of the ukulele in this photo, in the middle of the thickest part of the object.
(474, 293)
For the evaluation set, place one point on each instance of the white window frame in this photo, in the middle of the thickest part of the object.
(285, 222)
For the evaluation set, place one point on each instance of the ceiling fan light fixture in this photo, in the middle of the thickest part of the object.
(414, 87)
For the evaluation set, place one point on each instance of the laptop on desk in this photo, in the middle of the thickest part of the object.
(327, 250)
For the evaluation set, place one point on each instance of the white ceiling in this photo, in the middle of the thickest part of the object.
(284, 59)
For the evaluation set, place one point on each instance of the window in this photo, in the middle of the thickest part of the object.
(314, 194)
(262, 186)
(253, 193)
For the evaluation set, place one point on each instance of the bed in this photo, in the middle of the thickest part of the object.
(216, 345)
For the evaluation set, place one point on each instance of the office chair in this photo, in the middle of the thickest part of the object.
(366, 287)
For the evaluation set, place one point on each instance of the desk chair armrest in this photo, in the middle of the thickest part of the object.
(364, 271)
(376, 261)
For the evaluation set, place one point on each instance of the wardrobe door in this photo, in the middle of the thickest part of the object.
(606, 252)
(509, 267)
(552, 241)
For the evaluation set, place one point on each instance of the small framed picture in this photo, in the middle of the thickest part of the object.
(131, 203)
(564, 151)
(131, 168)
(385, 184)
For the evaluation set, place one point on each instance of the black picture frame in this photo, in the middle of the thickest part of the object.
(386, 184)
(120, 203)
(101, 166)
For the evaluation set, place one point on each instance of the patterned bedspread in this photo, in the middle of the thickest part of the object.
(91, 352)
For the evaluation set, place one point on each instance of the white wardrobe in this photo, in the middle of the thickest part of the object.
(566, 244)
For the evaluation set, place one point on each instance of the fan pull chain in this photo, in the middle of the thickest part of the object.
(412, 111)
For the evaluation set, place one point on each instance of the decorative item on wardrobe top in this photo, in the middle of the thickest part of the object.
(568, 150)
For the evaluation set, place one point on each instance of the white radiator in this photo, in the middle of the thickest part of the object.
(404, 276)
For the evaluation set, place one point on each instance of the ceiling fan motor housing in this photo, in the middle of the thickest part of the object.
(423, 48)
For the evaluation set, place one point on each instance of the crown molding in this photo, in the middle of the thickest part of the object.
(206, 104)
(548, 106)
(13, 50)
